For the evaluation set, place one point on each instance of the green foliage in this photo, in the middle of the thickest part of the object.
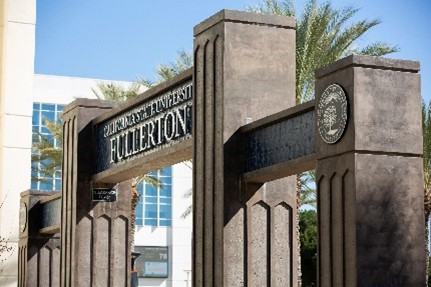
(50, 157)
(308, 227)
(324, 34)
(165, 72)
(45, 152)
(308, 189)
(113, 92)
(426, 127)
(429, 272)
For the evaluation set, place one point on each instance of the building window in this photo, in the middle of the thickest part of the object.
(52, 112)
(155, 203)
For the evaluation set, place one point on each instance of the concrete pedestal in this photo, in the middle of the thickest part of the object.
(244, 70)
(370, 183)
(95, 240)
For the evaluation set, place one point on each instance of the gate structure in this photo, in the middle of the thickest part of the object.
(362, 133)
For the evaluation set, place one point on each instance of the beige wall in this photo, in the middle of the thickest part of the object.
(17, 43)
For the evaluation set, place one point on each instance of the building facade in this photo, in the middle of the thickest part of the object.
(17, 42)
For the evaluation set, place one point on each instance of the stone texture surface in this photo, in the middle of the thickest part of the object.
(244, 68)
(370, 183)
(90, 231)
(384, 105)
(38, 254)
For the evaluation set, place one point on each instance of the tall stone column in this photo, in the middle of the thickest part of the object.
(244, 70)
(370, 181)
(95, 243)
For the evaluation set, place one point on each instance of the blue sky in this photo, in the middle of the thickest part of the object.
(120, 40)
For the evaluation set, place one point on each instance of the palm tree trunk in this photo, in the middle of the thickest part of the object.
(134, 199)
(427, 209)
(298, 230)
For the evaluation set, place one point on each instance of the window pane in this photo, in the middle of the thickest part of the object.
(138, 221)
(150, 190)
(35, 118)
(166, 190)
(57, 184)
(152, 199)
(166, 200)
(48, 107)
(34, 184)
(48, 116)
(36, 106)
(45, 186)
(150, 210)
(151, 222)
(165, 222)
(166, 180)
(165, 212)
(167, 171)
(60, 108)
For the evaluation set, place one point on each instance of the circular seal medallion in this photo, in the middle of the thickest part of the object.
(332, 114)
(22, 217)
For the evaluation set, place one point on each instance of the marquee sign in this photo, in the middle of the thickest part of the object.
(153, 262)
(151, 125)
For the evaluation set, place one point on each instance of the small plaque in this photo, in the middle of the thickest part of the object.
(22, 217)
(104, 194)
(332, 114)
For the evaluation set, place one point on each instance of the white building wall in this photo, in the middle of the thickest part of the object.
(17, 42)
(63, 90)
(178, 237)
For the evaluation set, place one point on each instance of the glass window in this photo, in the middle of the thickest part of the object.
(155, 203)
(48, 107)
(165, 200)
(51, 112)
(152, 199)
(150, 210)
(165, 222)
(167, 171)
(150, 190)
(150, 222)
(166, 190)
(165, 211)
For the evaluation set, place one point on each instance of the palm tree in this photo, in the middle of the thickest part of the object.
(308, 195)
(113, 92)
(165, 72)
(426, 127)
(49, 156)
(324, 34)
(46, 153)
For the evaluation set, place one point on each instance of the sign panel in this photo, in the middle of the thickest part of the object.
(280, 142)
(153, 262)
(51, 213)
(151, 125)
(104, 194)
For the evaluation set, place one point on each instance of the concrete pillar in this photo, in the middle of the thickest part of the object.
(370, 182)
(95, 241)
(17, 42)
(39, 254)
(244, 70)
